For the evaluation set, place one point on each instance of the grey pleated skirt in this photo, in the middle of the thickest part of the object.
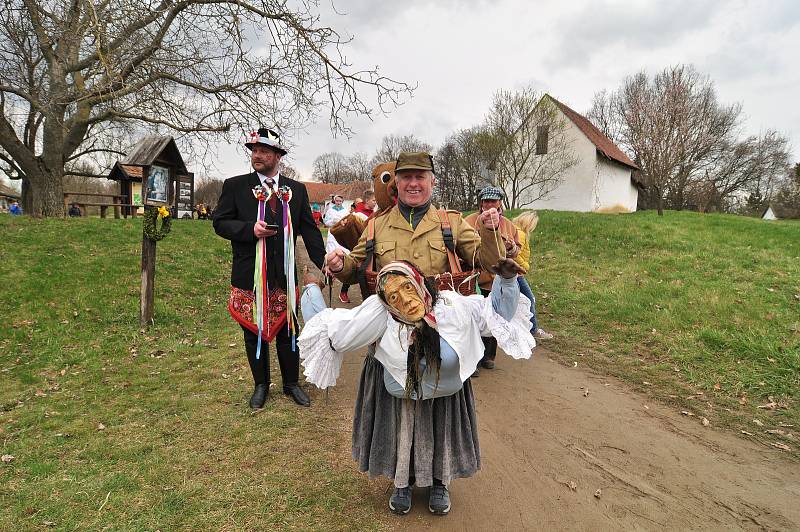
(413, 441)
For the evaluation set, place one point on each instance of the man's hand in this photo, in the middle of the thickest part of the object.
(506, 268)
(334, 261)
(260, 230)
(490, 218)
(512, 249)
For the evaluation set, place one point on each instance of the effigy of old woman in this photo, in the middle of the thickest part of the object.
(415, 419)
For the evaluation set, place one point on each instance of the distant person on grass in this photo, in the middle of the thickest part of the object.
(236, 218)
(15, 209)
(74, 211)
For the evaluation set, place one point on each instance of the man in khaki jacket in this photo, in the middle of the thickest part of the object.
(411, 230)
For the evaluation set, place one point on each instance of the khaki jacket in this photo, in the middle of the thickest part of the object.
(423, 246)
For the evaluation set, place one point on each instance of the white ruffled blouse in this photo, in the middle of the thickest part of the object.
(461, 321)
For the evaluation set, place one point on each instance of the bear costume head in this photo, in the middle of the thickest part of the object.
(383, 182)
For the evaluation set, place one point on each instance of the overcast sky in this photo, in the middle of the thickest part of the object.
(460, 52)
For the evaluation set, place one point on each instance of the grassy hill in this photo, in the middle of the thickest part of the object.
(704, 303)
(112, 425)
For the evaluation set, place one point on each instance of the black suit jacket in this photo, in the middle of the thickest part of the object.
(236, 214)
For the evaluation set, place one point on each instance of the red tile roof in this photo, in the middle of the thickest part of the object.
(321, 192)
(132, 170)
(604, 144)
(125, 172)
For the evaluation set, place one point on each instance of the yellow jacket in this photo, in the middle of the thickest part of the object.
(524, 256)
(423, 246)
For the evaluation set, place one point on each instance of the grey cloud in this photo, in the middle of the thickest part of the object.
(360, 13)
(600, 25)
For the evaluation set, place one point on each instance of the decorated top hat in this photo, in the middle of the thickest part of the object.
(268, 137)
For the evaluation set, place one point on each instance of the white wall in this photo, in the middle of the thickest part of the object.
(591, 184)
(614, 186)
(574, 192)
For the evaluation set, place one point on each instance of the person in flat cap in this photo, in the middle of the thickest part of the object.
(412, 230)
(236, 218)
(490, 198)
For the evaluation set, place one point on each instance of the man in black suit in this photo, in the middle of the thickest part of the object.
(235, 219)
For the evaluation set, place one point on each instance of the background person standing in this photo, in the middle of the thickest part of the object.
(333, 215)
(491, 199)
(235, 219)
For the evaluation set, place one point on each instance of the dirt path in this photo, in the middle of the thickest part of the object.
(546, 448)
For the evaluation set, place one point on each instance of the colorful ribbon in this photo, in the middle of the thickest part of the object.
(260, 284)
(285, 195)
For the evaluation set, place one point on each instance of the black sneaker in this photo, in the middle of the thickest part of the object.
(439, 499)
(400, 501)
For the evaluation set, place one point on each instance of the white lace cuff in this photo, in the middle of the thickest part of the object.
(321, 363)
(513, 337)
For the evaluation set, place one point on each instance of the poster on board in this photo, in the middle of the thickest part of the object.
(157, 186)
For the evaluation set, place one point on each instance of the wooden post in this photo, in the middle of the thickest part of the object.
(148, 278)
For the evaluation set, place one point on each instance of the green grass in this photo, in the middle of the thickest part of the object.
(687, 303)
(113, 426)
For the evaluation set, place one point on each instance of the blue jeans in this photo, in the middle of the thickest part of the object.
(525, 290)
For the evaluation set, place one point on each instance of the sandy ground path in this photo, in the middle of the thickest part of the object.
(546, 448)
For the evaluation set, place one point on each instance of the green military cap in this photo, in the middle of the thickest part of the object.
(414, 160)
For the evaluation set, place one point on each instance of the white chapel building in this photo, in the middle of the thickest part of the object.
(603, 177)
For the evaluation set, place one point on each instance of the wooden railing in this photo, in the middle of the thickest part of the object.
(116, 203)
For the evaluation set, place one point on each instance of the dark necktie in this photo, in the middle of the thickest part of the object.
(273, 199)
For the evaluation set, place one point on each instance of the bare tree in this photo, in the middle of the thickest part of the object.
(756, 163)
(787, 194)
(672, 125)
(360, 167)
(207, 190)
(331, 168)
(462, 165)
(78, 76)
(605, 116)
(392, 145)
(531, 145)
(290, 171)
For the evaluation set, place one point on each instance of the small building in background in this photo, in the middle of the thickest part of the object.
(769, 214)
(603, 178)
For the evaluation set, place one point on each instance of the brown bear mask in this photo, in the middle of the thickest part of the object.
(384, 185)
